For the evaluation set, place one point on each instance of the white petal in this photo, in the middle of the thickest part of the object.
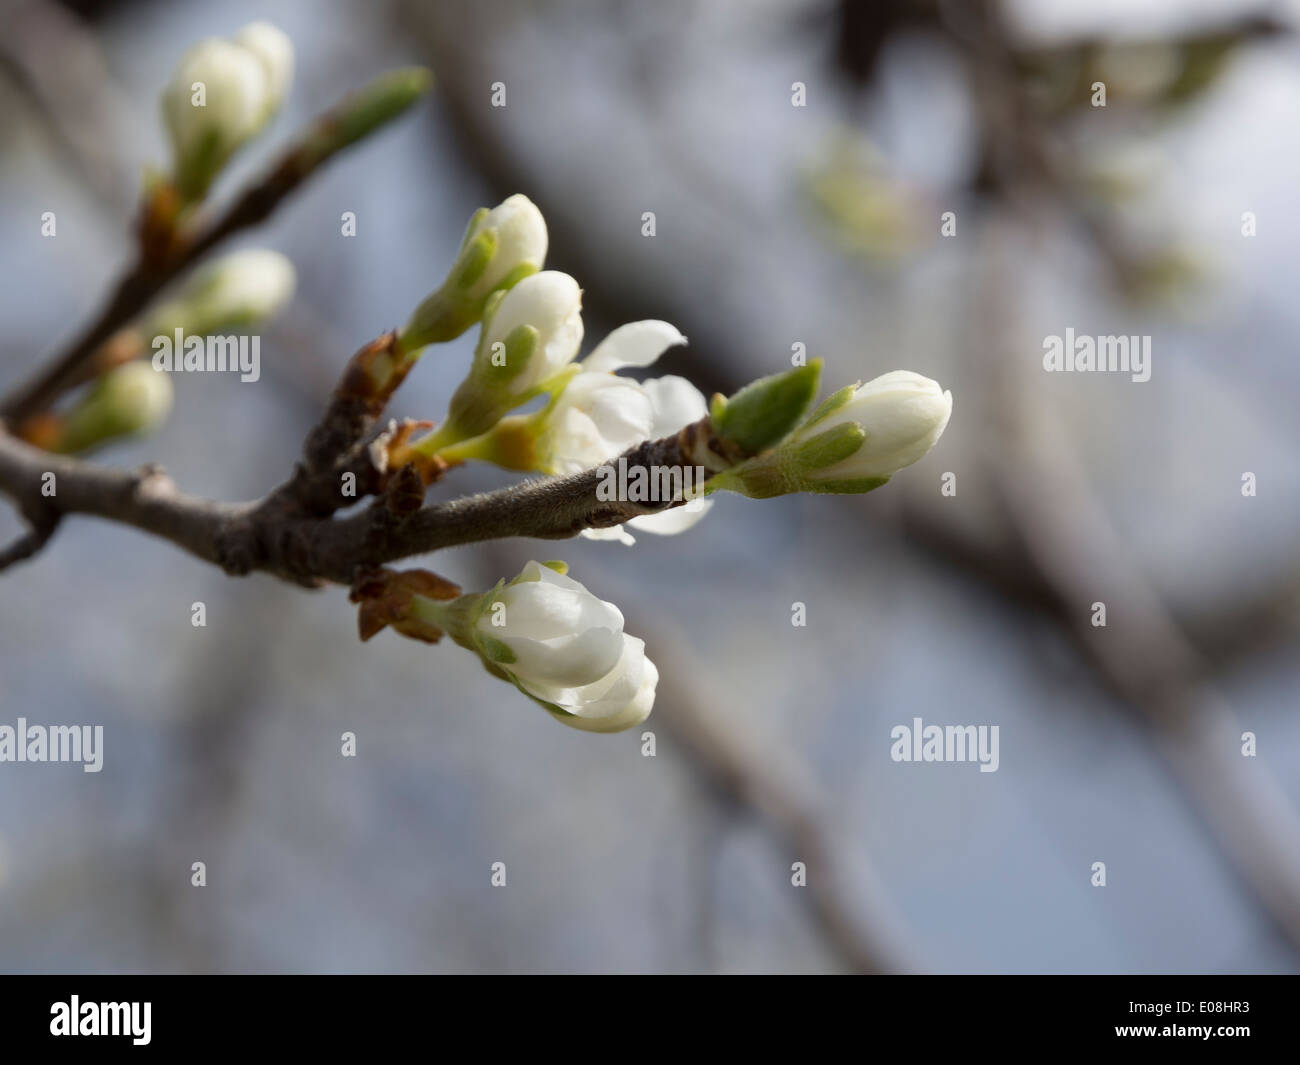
(674, 521)
(614, 532)
(235, 96)
(634, 344)
(535, 571)
(547, 612)
(254, 282)
(560, 634)
(597, 417)
(676, 404)
(611, 691)
(574, 444)
(903, 415)
(624, 703)
(274, 50)
(551, 302)
(898, 380)
(566, 662)
(544, 611)
(521, 238)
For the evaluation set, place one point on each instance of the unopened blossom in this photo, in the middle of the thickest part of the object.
(566, 648)
(129, 400)
(240, 289)
(854, 442)
(274, 51)
(901, 415)
(222, 93)
(501, 247)
(530, 335)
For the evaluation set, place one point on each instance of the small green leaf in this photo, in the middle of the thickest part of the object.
(364, 111)
(764, 412)
(562, 568)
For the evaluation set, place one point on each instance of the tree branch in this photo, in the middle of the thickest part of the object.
(272, 537)
(29, 543)
(349, 121)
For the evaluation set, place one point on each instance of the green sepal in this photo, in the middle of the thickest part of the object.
(464, 617)
(475, 220)
(196, 172)
(474, 259)
(764, 412)
(520, 346)
(511, 444)
(829, 447)
(513, 277)
(830, 404)
(764, 477)
(846, 486)
(555, 386)
(490, 305)
(472, 412)
(495, 650)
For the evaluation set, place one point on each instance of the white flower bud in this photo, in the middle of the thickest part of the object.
(550, 303)
(222, 94)
(519, 239)
(240, 289)
(274, 50)
(501, 247)
(621, 700)
(129, 400)
(902, 415)
(530, 334)
(567, 649)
